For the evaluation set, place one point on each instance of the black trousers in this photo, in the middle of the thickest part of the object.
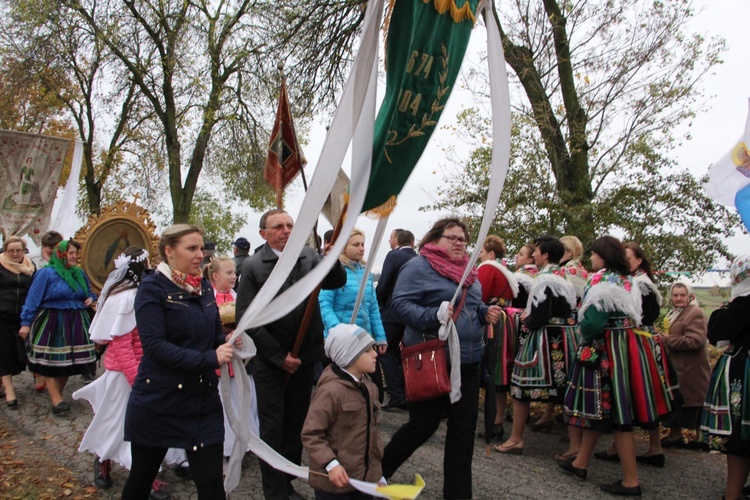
(391, 362)
(424, 419)
(282, 408)
(205, 466)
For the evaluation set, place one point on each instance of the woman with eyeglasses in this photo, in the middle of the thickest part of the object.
(55, 316)
(421, 300)
(16, 271)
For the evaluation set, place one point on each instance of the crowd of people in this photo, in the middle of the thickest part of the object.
(585, 343)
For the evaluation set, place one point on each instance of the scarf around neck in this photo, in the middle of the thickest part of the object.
(453, 269)
(24, 267)
(189, 283)
(72, 275)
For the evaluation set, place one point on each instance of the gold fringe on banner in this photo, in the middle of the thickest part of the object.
(458, 14)
(386, 27)
(384, 209)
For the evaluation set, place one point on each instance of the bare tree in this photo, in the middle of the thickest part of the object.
(193, 63)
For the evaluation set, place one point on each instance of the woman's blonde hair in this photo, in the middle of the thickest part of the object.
(214, 267)
(13, 239)
(343, 258)
(495, 244)
(573, 245)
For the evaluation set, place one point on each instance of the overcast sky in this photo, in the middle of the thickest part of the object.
(713, 132)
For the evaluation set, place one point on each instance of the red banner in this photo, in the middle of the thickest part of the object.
(285, 158)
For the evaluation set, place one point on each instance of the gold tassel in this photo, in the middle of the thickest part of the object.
(384, 209)
(386, 27)
(458, 14)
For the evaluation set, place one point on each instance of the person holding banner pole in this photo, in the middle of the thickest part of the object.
(283, 381)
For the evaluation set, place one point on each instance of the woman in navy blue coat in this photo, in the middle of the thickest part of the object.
(175, 401)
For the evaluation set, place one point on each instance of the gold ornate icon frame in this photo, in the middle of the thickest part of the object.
(104, 237)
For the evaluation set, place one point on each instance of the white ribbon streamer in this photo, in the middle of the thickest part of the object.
(65, 217)
(356, 111)
(500, 94)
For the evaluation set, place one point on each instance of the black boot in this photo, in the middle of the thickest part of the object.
(102, 479)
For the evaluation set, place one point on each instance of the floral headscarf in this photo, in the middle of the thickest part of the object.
(72, 275)
(739, 274)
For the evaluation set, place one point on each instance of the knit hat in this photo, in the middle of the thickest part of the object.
(346, 342)
(739, 273)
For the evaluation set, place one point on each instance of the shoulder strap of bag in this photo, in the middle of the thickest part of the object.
(460, 305)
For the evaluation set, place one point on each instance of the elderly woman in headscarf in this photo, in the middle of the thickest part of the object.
(725, 423)
(55, 315)
(687, 343)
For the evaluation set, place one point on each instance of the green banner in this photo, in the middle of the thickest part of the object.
(427, 41)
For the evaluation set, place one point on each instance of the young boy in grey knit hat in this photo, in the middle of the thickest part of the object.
(342, 429)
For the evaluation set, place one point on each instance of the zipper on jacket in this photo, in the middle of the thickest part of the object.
(363, 390)
(471, 335)
(18, 291)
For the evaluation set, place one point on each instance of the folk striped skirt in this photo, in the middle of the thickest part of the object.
(60, 343)
(725, 422)
(624, 391)
(540, 371)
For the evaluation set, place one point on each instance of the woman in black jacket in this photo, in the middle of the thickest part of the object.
(724, 423)
(175, 401)
(16, 271)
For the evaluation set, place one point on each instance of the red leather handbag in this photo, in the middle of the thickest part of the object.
(426, 367)
(425, 370)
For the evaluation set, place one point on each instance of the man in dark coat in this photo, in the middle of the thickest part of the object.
(394, 329)
(283, 382)
(241, 249)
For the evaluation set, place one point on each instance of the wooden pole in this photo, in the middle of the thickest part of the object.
(312, 302)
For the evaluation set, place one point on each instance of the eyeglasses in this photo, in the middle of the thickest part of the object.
(20, 250)
(279, 227)
(455, 239)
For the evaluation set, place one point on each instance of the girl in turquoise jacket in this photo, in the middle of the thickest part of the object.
(337, 306)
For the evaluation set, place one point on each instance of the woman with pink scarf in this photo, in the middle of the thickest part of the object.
(421, 300)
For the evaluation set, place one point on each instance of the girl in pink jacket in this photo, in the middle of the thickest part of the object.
(114, 325)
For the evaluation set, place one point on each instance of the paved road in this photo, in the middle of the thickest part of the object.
(534, 474)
